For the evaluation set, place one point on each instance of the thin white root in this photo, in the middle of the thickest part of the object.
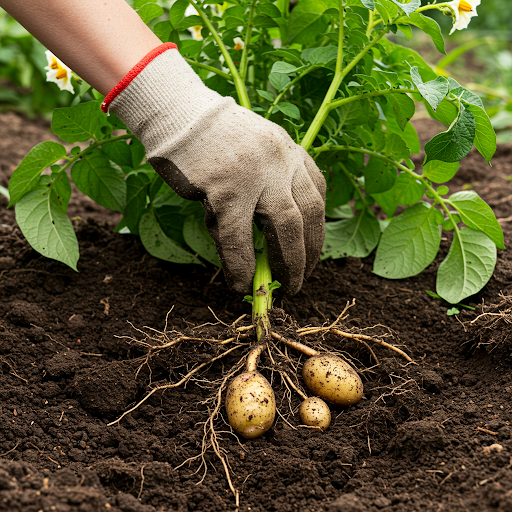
(362, 337)
(174, 385)
(215, 443)
(292, 384)
(296, 345)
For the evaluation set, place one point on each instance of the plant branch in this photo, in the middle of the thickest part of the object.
(339, 75)
(243, 97)
(287, 88)
(343, 101)
(71, 161)
(247, 42)
(209, 68)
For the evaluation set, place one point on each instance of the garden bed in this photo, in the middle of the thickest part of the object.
(421, 439)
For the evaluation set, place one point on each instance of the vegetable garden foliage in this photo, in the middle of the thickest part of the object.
(327, 73)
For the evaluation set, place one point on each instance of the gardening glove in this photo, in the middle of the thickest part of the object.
(208, 148)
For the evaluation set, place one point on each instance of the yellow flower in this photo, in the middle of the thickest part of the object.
(239, 44)
(58, 73)
(464, 10)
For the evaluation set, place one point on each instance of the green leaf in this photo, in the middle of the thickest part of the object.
(406, 191)
(430, 27)
(136, 198)
(434, 91)
(440, 172)
(442, 190)
(269, 9)
(177, 12)
(279, 80)
(307, 20)
(163, 30)
(463, 93)
(322, 56)
(79, 123)
(199, 240)
(149, 12)
(452, 311)
(379, 176)
(339, 189)
(283, 67)
(158, 244)
(119, 152)
(396, 148)
(351, 113)
(340, 212)
(387, 10)
(46, 226)
(454, 144)
(266, 95)
(61, 189)
(287, 53)
(288, 109)
(404, 109)
(409, 244)
(369, 4)
(468, 266)
(94, 176)
(485, 138)
(408, 8)
(26, 176)
(477, 214)
(356, 237)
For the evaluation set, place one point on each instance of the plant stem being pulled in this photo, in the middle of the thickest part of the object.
(262, 291)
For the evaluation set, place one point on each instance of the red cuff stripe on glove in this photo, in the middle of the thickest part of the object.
(125, 82)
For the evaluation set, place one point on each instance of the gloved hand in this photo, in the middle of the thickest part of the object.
(208, 148)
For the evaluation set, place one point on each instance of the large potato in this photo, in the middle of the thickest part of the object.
(250, 404)
(314, 412)
(332, 379)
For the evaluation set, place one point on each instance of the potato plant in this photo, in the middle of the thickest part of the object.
(328, 73)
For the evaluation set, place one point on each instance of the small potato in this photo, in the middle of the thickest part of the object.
(314, 412)
(250, 404)
(332, 379)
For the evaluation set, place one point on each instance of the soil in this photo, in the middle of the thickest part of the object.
(431, 436)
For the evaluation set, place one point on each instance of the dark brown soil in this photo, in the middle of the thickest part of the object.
(432, 436)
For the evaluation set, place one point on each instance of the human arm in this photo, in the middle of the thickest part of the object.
(100, 40)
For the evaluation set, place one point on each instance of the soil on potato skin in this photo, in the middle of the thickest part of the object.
(421, 439)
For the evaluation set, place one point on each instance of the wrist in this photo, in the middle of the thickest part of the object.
(161, 98)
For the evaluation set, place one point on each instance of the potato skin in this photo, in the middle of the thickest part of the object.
(314, 412)
(331, 378)
(250, 404)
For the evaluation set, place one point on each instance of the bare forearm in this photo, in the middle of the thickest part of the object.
(100, 40)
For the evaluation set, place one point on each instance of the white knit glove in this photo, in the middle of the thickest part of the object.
(208, 148)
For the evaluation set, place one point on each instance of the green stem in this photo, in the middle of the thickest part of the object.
(243, 97)
(433, 6)
(339, 75)
(287, 88)
(247, 42)
(262, 294)
(209, 68)
(348, 174)
(343, 101)
(71, 161)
